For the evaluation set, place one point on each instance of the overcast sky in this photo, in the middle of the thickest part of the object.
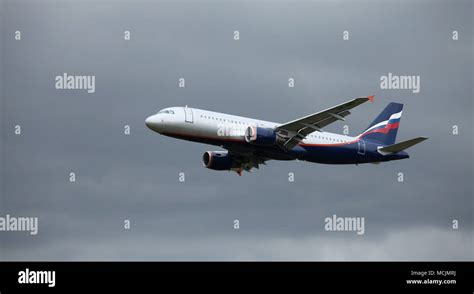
(135, 177)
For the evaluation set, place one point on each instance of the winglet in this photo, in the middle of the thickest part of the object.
(371, 98)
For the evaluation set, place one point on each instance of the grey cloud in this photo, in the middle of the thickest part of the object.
(135, 177)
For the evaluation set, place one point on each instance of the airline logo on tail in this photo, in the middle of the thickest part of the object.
(385, 126)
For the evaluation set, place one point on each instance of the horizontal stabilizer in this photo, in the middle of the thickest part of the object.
(401, 146)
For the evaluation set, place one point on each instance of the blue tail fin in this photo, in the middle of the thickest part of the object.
(384, 128)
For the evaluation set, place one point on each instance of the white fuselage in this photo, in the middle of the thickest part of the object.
(192, 122)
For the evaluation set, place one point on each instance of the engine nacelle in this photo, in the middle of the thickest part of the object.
(218, 160)
(260, 136)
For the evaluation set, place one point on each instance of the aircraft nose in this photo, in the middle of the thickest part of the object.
(148, 121)
(152, 122)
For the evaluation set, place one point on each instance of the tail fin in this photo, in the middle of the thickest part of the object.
(384, 128)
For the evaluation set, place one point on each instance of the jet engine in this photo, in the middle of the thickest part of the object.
(218, 160)
(260, 136)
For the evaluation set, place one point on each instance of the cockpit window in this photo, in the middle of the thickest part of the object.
(166, 111)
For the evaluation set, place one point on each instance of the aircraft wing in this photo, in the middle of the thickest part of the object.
(246, 159)
(295, 131)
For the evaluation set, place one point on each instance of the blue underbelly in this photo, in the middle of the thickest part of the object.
(345, 154)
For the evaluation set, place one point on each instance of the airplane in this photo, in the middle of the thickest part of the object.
(251, 142)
